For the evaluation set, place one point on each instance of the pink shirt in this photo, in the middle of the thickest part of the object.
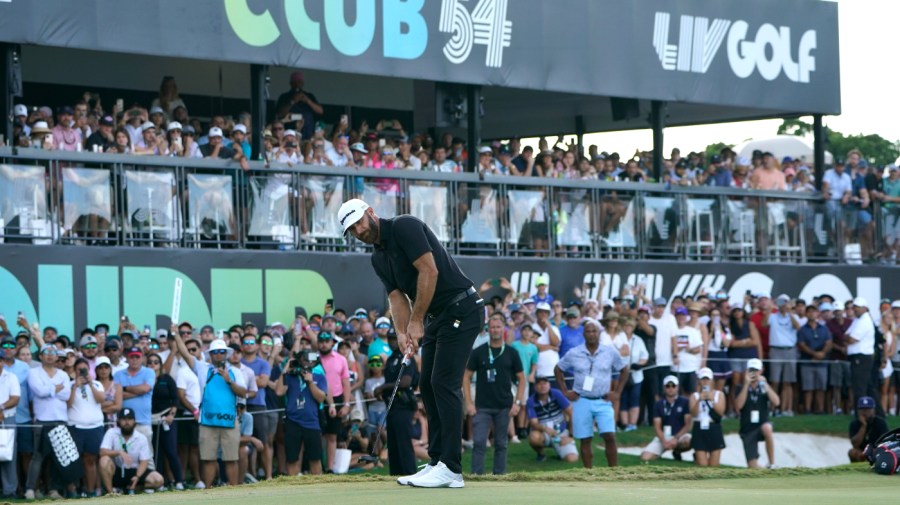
(336, 369)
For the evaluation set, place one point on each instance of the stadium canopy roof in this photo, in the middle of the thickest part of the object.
(537, 60)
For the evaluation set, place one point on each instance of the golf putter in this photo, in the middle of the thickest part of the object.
(372, 457)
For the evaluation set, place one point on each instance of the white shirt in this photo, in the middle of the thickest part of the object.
(85, 413)
(249, 379)
(9, 387)
(447, 166)
(617, 342)
(638, 353)
(339, 159)
(47, 403)
(781, 331)
(136, 446)
(665, 330)
(189, 382)
(688, 338)
(548, 359)
(837, 184)
(121, 366)
(862, 329)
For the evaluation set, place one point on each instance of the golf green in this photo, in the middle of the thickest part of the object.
(851, 486)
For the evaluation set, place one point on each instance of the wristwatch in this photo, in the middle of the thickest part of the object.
(519, 402)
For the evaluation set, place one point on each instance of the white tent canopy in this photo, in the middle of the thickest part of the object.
(798, 148)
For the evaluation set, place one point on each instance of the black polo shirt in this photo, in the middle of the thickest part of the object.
(403, 240)
(504, 366)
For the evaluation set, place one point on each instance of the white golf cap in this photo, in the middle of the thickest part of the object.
(754, 364)
(705, 373)
(381, 321)
(896, 304)
(215, 131)
(838, 305)
(860, 302)
(290, 133)
(156, 109)
(147, 126)
(102, 360)
(174, 125)
(20, 110)
(220, 345)
(239, 128)
(350, 212)
(543, 306)
(670, 379)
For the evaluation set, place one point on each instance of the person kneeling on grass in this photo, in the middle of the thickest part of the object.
(671, 423)
(550, 415)
(594, 391)
(124, 458)
(754, 403)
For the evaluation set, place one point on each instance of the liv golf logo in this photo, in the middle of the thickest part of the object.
(770, 51)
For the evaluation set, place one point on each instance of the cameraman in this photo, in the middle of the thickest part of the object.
(401, 455)
(303, 385)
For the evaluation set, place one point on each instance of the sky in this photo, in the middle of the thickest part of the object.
(870, 81)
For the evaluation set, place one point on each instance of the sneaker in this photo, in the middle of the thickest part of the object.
(676, 455)
(250, 479)
(404, 481)
(515, 440)
(54, 495)
(439, 476)
(630, 427)
(468, 444)
(200, 485)
(115, 492)
(788, 413)
(162, 489)
(179, 486)
(149, 491)
(541, 458)
(772, 466)
(260, 473)
(130, 492)
(29, 494)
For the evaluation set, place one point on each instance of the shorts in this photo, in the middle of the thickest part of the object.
(260, 421)
(87, 440)
(586, 412)
(188, 431)
(783, 367)
(24, 439)
(333, 425)
(751, 441)
(720, 364)
(561, 450)
(814, 377)
(688, 381)
(122, 477)
(839, 374)
(656, 447)
(707, 440)
(297, 437)
(212, 439)
(631, 397)
(376, 417)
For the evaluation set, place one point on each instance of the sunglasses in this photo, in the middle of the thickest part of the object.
(184, 332)
(9, 346)
(670, 385)
(193, 349)
(89, 346)
(249, 342)
(220, 351)
(266, 342)
(110, 349)
(154, 346)
(376, 365)
(154, 362)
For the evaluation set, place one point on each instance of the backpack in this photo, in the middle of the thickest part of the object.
(884, 456)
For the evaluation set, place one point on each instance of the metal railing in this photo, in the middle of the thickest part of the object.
(53, 197)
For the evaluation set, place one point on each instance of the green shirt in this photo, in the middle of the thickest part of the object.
(528, 353)
(891, 188)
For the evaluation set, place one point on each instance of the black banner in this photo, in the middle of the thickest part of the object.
(70, 287)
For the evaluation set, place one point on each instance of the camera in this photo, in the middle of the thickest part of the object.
(302, 362)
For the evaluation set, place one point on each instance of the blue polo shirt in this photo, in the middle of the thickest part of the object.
(672, 414)
(139, 404)
(259, 367)
(300, 406)
(20, 370)
(815, 339)
(570, 338)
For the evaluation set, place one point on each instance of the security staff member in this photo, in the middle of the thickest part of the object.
(431, 299)
(401, 455)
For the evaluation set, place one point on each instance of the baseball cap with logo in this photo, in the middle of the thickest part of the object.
(107, 121)
(126, 413)
(860, 302)
(865, 402)
(87, 339)
(382, 322)
(358, 146)
(705, 373)
(350, 212)
(239, 128)
(174, 125)
(754, 364)
(670, 379)
(215, 131)
(147, 126)
(134, 351)
(20, 110)
(543, 306)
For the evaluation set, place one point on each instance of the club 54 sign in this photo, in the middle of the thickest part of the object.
(404, 27)
(770, 50)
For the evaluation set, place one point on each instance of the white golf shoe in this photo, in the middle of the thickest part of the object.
(439, 476)
(404, 481)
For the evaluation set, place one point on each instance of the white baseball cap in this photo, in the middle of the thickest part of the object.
(543, 306)
(670, 378)
(239, 128)
(838, 305)
(896, 304)
(174, 125)
(215, 131)
(147, 126)
(350, 212)
(860, 302)
(754, 364)
(20, 110)
(291, 133)
(102, 360)
(705, 373)
(156, 109)
(382, 320)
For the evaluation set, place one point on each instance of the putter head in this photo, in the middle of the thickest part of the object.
(368, 458)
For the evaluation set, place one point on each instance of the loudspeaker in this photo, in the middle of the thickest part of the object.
(625, 108)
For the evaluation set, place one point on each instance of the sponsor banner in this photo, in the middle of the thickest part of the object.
(724, 53)
(72, 287)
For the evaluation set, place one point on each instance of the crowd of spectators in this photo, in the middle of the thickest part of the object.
(296, 135)
(178, 407)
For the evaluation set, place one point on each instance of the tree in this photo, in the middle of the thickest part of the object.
(716, 148)
(875, 148)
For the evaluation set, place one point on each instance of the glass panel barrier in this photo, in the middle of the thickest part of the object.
(703, 223)
(528, 228)
(430, 204)
(87, 209)
(383, 199)
(23, 205)
(151, 208)
(785, 234)
(479, 231)
(661, 226)
(617, 231)
(890, 232)
(322, 197)
(269, 210)
(740, 232)
(572, 211)
(210, 211)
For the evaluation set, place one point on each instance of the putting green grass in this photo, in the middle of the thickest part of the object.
(656, 485)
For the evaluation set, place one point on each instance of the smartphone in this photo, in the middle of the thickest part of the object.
(83, 372)
(705, 389)
(295, 117)
(124, 318)
(495, 282)
(388, 124)
(329, 302)
(147, 328)
(21, 314)
(344, 119)
(592, 285)
(120, 104)
(381, 143)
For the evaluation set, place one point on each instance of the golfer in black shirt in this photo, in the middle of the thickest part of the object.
(432, 300)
